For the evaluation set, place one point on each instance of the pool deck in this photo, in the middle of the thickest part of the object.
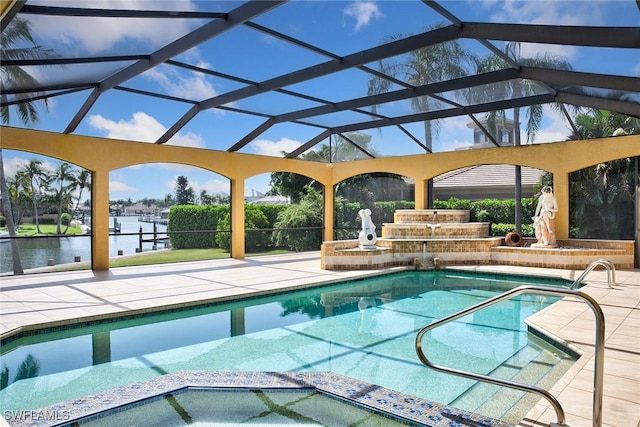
(36, 300)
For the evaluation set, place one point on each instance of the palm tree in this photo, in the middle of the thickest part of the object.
(36, 176)
(16, 187)
(18, 30)
(602, 196)
(519, 88)
(81, 181)
(65, 175)
(11, 225)
(426, 65)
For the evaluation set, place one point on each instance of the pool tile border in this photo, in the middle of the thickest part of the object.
(395, 405)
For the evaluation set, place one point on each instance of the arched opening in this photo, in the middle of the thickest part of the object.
(294, 212)
(47, 211)
(380, 192)
(167, 212)
(603, 200)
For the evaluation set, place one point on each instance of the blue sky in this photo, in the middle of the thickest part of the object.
(341, 27)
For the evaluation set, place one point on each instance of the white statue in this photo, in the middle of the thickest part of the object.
(543, 221)
(367, 237)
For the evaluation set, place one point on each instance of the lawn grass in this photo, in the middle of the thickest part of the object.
(168, 256)
(179, 255)
(30, 230)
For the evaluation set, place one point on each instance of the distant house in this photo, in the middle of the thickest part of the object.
(271, 200)
(140, 209)
(485, 182)
(255, 195)
(505, 134)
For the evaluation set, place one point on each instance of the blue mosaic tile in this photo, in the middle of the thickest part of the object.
(406, 409)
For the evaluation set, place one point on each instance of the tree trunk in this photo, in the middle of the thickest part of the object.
(428, 141)
(11, 226)
(518, 174)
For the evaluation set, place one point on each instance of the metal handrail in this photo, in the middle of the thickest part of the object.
(540, 290)
(608, 265)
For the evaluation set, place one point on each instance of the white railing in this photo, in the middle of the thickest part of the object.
(611, 272)
(541, 290)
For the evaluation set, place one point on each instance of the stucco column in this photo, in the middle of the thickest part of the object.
(100, 220)
(237, 218)
(421, 193)
(561, 191)
(329, 212)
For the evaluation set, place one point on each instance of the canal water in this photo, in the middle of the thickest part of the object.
(36, 252)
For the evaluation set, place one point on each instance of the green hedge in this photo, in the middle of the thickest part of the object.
(348, 221)
(213, 224)
(254, 219)
(46, 220)
(500, 229)
(501, 213)
(195, 218)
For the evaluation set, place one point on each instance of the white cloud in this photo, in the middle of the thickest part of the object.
(121, 187)
(143, 128)
(274, 149)
(548, 13)
(557, 130)
(100, 35)
(212, 186)
(13, 164)
(363, 12)
(194, 86)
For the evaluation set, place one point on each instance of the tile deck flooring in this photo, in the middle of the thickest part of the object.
(35, 300)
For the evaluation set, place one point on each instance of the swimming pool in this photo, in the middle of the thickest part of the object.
(363, 329)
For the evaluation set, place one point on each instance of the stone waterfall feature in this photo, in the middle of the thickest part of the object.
(420, 237)
(430, 238)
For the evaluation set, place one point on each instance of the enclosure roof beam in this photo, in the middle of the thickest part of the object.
(201, 34)
(359, 58)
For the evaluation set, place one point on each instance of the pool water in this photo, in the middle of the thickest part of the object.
(364, 329)
(256, 408)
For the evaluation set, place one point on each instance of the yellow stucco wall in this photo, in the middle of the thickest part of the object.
(102, 156)
(5, 5)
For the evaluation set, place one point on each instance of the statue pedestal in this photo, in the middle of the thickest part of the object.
(367, 240)
(367, 247)
(543, 246)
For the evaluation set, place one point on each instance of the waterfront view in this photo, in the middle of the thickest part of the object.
(37, 251)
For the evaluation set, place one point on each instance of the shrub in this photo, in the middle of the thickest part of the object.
(253, 219)
(347, 219)
(65, 219)
(46, 220)
(501, 229)
(194, 218)
(308, 213)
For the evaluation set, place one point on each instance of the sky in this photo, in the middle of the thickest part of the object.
(341, 27)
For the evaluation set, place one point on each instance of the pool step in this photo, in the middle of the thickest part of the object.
(531, 365)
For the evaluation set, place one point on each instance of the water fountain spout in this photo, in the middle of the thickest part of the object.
(433, 224)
